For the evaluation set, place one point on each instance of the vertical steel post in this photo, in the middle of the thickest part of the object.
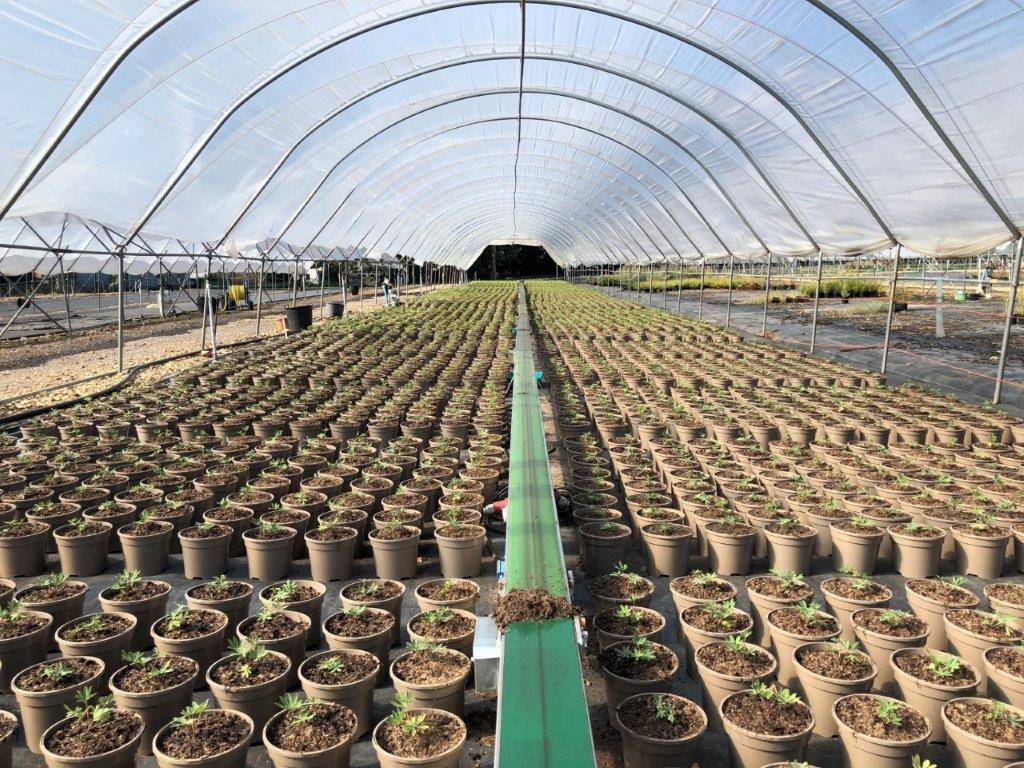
(64, 288)
(650, 285)
(344, 288)
(1011, 303)
(679, 287)
(700, 305)
(376, 280)
(767, 290)
(295, 282)
(728, 297)
(817, 298)
(323, 285)
(892, 306)
(259, 295)
(120, 311)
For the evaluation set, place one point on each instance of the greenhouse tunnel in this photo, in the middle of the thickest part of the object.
(328, 327)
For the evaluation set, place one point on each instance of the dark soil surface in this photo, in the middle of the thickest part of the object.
(47, 594)
(110, 625)
(713, 590)
(142, 590)
(534, 604)
(861, 714)
(365, 624)
(791, 620)
(702, 619)
(639, 622)
(199, 532)
(72, 532)
(157, 674)
(620, 586)
(724, 660)
(640, 716)
(730, 529)
(396, 533)
(230, 590)
(355, 667)
(17, 626)
(24, 528)
(270, 535)
(78, 671)
(239, 673)
(976, 717)
(277, 627)
(948, 595)
(772, 586)
(1008, 593)
(332, 532)
(836, 664)
(197, 623)
(845, 588)
(1009, 660)
(455, 626)
(330, 725)
(619, 662)
(460, 531)
(372, 590)
(145, 529)
(984, 624)
(227, 514)
(430, 668)
(215, 732)
(923, 532)
(448, 590)
(769, 718)
(85, 738)
(443, 732)
(920, 665)
(861, 530)
(299, 593)
(907, 626)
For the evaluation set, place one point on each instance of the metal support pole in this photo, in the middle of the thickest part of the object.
(679, 287)
(259, 295)
(650, 285)
(375, 282)
(295, 282)
(323, 285)
(1011, 303)
(892, 306)
(728, 297)
(120, 311)
(817, 298)
(767, 291)
(211, 314)
(700, 305)
(64, 288)
(344, 288)
(360, 285)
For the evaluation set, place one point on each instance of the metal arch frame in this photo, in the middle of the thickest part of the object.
(915, 97)
(655, 198)
(477, 94)
(198, 147)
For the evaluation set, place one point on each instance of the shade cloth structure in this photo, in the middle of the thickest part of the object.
(605, 130)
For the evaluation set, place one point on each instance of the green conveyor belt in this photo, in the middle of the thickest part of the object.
(542, 709)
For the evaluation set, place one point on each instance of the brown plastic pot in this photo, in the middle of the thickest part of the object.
(377, 644)
(108, 650)
(357, 695)
(157, 708)
(641, 751)
(601, 553)
(822, 692)
(790, 553)
(753, 750)
(462, 643)
(460, 557)
(843, 609)
(449, 696)
(971, 647)
(23, 555)
(122, 757)
(204, 650)
(395, 559)
(865, 751)
(62, 610)
(1002, 685)
(235, 608)
(761, 605)
(915, 557)
(18, 653)
(729, 555)
(980, 556)
(447, 759)
(41, 709)
(429, 604)
(392, 605)
(716, 687)
(667, 554)
(313, 607)
(293, 646)
(932, 612)
(968, 750)
(858, 551)
(335, 756)
(785, 643)
(926, 697)
(606, 638)
(257, 702)
(332, 560)
(269, 560)
(149, 554)
(145, 611)
(204, 558)
(234, 757)
(82, 555)
(880, 648)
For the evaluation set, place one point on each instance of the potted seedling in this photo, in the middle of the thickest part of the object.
(696, 588)
(212, 738)
(616, 625)
(345, 677)
(155, 687)
(660, 729)
(249, 680)
(1004, 668)
(279, 630)
(434, 676)
(204, 549)
(23, 547)
(827, 672)
(980, 547)
(44, 690)
(395, 550)
(765, 724)
(222, 594)
(268, 548)
(410, 737)
(193, 633)
(331, 547)
(104, 636)
(793, 626)
(969, 633)
(926, 680)
(145, 545)
(730, 545)
(309, 734)
(94, 734)
(460, 547)
(604, 545)
(667, 548)
(883, 631)
(879, 731)
(82, 546)
(983, 733)
(452, 628)
(790, 545)
(450, 593)
(636, 666)
(56, 595)
(145, 599)
(23, 641)
(917, 549)
(856, 543)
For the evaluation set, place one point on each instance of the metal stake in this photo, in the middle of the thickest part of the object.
(1011, 303)
(120, 311)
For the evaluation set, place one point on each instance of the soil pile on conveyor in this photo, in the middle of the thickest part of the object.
(534, 604)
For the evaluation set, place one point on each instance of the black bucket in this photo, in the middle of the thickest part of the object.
(298, 318)
(335, 309)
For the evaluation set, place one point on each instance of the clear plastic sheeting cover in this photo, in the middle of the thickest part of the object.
(606, 130)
